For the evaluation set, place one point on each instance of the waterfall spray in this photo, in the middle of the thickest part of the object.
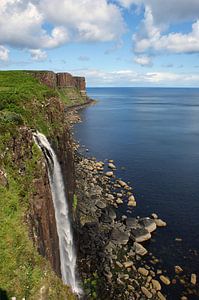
(64, 231)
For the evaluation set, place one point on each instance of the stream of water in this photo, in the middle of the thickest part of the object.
(64, 230)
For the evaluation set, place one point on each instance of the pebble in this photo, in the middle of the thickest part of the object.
(193, 279)
(146, 292)
(143, 271)
(165, 279)
(156, 285)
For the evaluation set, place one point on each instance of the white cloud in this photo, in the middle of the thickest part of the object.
(151, 38)
(131, 78)
(4, 54)
(38, 54)
(143, 60)
(23, 23)
(87, 20)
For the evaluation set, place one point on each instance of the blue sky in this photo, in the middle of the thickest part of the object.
(110, 42)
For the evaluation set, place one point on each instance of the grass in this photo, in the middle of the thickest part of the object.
(24, 102)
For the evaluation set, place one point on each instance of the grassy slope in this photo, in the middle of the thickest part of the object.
(23, 272)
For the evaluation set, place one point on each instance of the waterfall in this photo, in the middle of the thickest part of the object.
(64, 231)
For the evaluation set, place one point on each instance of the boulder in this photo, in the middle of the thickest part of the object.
(100, 204)
(109, 174)
(119, 237)
(131, 201)
(131, 223)
(146, 292)
(165, 280)
(193, 279)
(140, 235)
(128, 264)
(139, 249)
(178, 269)
(122, 183)
(148, 224)
(143, 271)
(156, 285)
(119, 201)
(160, 223)
(112, 166)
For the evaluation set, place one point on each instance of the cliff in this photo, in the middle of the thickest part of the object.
(73, 87)
(28, 235)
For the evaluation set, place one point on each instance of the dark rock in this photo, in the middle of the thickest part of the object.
(100, 204)
(131, 222)
(148, 224)
(140, 235)
(119, 236)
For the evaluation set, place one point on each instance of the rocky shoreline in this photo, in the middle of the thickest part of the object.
(113, 259)
(110, 248)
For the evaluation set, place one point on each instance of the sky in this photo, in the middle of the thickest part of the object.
(110, 42)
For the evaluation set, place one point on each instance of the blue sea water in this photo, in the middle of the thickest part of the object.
(154, 134)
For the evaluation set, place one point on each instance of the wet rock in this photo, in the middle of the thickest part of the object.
(119, 201)
(148, 224)
(165, 280)
(160, 223)
(193, 279)
(100, 204)
(139, 249)
(112, 166)
(154, 216)
(131, 223)
(143, 271)
(128, 264)
(140, 235)
(122, 183)
(119, 237)
(109, 174)
(178, 269)
(131, 201)
(161, 296)
(146, 292)
(110, 212)
(156, 285)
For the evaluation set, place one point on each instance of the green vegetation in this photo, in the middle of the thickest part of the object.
(70, 96)
(24, 102)
(90, 286)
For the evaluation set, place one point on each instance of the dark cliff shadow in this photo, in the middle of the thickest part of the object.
(3, 295)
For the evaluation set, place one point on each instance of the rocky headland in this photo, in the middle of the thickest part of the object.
(113, 259)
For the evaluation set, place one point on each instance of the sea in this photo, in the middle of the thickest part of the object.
(152, 134)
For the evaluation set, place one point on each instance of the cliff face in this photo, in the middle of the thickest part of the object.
(62, 80)
(25, 196)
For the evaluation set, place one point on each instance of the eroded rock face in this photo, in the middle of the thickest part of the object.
(48, 78)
